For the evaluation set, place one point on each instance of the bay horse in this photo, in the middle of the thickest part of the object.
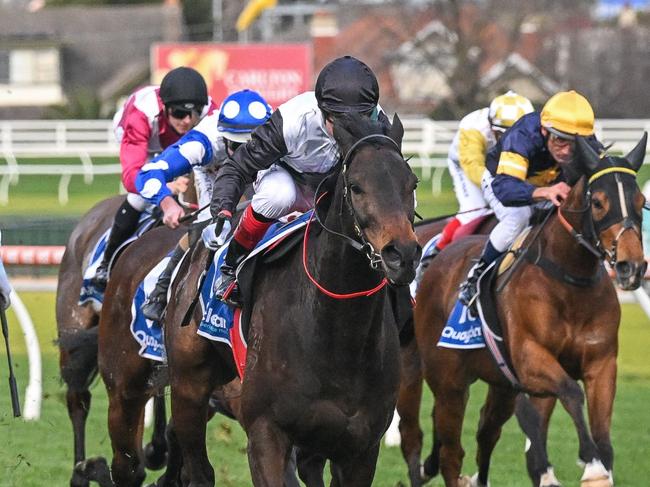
(553, 339)
(322, 371)
(77, 333)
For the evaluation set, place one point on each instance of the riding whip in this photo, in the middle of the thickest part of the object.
(13, 388)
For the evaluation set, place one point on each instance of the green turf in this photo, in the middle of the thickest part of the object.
(40, 453)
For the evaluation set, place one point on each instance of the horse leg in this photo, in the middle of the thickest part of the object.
(533, 415)
(448, 414)
(408, 408)
(498, 408)
(172, 475)
(125, 425)
(191, 389)
(600, 387)
(355, 472)
(553, 379)
(310, 468)
(78, 402)
(269, 449)
(155, 452)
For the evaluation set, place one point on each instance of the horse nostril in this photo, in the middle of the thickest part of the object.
(391, 255)
(624, 269)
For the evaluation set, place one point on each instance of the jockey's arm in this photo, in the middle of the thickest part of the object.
(267, 146)
(472, 147)
(134, 148)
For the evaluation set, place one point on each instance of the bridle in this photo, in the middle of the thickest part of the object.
(590, 238)
(364, 246)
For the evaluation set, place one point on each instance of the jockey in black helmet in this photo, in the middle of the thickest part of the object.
(287, 157)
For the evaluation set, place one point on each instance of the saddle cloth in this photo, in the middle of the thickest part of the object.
(148, 333)
(88, 293)
(222, 322)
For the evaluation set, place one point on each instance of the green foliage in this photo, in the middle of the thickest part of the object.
(82, 104)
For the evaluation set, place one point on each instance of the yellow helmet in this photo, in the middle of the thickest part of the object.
(568, 113)
(506, 109)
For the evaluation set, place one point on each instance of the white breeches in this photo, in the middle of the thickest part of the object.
(469, 196)
(137, 201)
(277, 194)
(512, 219)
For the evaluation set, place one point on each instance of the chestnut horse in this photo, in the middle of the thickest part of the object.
(553, 339)
(322, 371)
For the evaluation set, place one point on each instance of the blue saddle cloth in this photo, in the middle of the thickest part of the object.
(218, 317)
(462, 331)
(88, 292)
(427, 250)
(148, 333)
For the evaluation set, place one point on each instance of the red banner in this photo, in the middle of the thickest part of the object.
(277, 71)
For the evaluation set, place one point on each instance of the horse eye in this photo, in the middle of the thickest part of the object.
(597, 204)
(356, 189)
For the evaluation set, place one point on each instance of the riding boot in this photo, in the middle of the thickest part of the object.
(225, 287)
(154, 307)
(468, 289)
(125, 223)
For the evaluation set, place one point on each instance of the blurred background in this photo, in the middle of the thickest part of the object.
(66, 65)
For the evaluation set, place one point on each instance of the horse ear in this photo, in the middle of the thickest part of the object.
(342, 135)
(586, 157)
(397, 130)
(575, 195)
(635, 156)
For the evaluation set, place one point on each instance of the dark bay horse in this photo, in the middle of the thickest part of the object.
(322, 372)
(78, 358)
(554, 340)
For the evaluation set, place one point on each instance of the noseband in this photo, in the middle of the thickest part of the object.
(595, 228)
(364, 246)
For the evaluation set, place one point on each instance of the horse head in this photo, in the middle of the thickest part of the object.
(613, 205)
(376, 191)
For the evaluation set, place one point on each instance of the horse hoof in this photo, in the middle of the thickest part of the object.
(424, 477)
(155, 458)
(464, 481)
(475, 482)
(548, 479)
(79, 480)
(595, 475)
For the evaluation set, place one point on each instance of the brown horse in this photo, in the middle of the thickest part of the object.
(78, 362)
(322, 372)
(77, 334)
(552, 338)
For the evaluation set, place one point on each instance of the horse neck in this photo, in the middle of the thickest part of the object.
(342, 269)
(562, 248)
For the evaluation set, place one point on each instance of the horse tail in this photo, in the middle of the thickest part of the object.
(79, 367)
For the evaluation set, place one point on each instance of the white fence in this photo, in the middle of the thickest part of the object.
(427, 140)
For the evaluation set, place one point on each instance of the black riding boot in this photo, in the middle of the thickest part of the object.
(468, 289)
(125, 223)
(225, 288)
(154, 307)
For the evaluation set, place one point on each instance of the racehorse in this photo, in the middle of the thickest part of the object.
(552, 338)
(322, 371)
(77, 332)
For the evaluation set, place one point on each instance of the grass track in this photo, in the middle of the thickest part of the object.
(40, 453)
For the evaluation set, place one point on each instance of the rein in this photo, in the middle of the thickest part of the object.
(598, 249)
(364, 246)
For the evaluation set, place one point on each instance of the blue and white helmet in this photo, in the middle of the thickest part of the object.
(240, 113)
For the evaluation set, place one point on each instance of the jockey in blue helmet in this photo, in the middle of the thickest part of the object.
(202, 150)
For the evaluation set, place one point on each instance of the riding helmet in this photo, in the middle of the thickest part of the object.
(567, 114)
(506, 109)
(347, 85)
(184, 87)
(240, 113)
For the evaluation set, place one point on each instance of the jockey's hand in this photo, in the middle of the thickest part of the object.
(179, 185)
(556, 194)
(172, 212)
(215, 234)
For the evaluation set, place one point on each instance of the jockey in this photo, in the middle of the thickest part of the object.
(528, 164)
(203, 149)
(477, 133)
(287, 157)
(152, 119)
(5, 287)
